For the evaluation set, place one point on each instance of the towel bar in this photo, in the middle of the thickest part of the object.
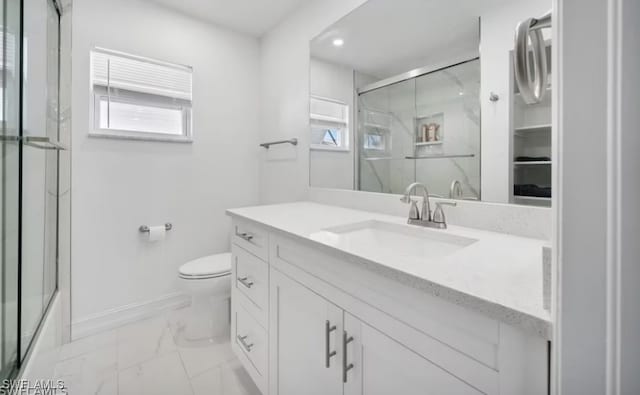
(293, 141)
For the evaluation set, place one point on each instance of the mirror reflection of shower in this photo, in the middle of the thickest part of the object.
(425, 128)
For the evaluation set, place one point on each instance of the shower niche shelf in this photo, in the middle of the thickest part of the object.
(429, 130)
(428, 143)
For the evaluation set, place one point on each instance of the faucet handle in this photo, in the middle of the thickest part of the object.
(438, 213)
(413, 211)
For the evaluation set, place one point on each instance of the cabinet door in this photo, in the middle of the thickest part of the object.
(376, 364)
(305, 332)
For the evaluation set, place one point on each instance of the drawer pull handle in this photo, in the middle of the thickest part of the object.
(328, 328)
(346, 367)
(247, 347)
(245, 281)
(245, 235)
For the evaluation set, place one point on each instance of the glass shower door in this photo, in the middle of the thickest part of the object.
(29, 72)
(385, 138)
(40, 158)
(10, 184)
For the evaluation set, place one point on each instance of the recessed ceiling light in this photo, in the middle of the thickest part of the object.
(338, 42)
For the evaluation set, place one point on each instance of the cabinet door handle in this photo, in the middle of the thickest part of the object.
(328, 328)
(245, 281)
(245, 235)
(244, 344)
(346, 367)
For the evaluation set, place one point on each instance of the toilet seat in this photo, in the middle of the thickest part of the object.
(211, 266)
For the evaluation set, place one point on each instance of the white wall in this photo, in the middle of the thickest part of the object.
(333, 169)
(629, 214)
(497, 29)
(120, 185)
(284, 75)
(581, 339)
(598, 329)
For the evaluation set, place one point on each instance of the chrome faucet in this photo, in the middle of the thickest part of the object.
(423, 217)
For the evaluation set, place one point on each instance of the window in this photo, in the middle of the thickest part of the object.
(138, 98)
(374, 141)
(329, 124)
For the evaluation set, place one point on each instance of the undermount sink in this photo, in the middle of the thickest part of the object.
(393, 241)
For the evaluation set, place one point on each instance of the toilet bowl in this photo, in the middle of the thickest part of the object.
(208, 282)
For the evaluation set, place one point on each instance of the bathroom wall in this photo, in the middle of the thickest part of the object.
(120, 185)
(284, 77)
(332, 169)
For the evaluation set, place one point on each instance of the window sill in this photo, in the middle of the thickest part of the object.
(139, 136)
(326, 148)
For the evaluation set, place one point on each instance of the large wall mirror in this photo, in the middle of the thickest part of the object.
(424, 90)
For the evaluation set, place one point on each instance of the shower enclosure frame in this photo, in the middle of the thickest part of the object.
(23, 349)
(407, 76)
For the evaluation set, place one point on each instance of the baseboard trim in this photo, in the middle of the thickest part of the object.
(122, 315)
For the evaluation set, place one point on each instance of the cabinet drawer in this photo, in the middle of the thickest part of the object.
(251, 279)
(250, 343)
(252, 238)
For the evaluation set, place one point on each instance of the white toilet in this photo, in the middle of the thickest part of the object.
(208, 281)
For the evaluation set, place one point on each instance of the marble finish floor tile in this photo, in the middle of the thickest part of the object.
(208, 383)
(142, 358)
(144, 340)
(162, 375)
(236, 380)
(87, 344)
(94, 372)
(199, 359)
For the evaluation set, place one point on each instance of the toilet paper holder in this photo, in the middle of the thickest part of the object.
(145, 228)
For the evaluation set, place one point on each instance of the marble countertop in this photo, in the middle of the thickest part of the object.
(498, 275)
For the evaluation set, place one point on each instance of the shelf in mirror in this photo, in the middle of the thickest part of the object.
(441, 156)
(378, 158)
(377, 126)
(532, 200)
(530, 129)
(427, 143)
(532, 163)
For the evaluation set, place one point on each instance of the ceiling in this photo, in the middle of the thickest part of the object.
(254, 17)
(383, 38)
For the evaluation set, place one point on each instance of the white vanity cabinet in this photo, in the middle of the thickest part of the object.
(324, 350)
(329, 326)
(380, 365)
(250, 300)
(306, 329)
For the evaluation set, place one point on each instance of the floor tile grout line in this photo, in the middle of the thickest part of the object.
(184, 368)
(166, 325)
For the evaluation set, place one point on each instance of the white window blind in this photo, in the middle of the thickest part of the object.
(328, 110)
(140, 98)
(10, 51)
(141, 75)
